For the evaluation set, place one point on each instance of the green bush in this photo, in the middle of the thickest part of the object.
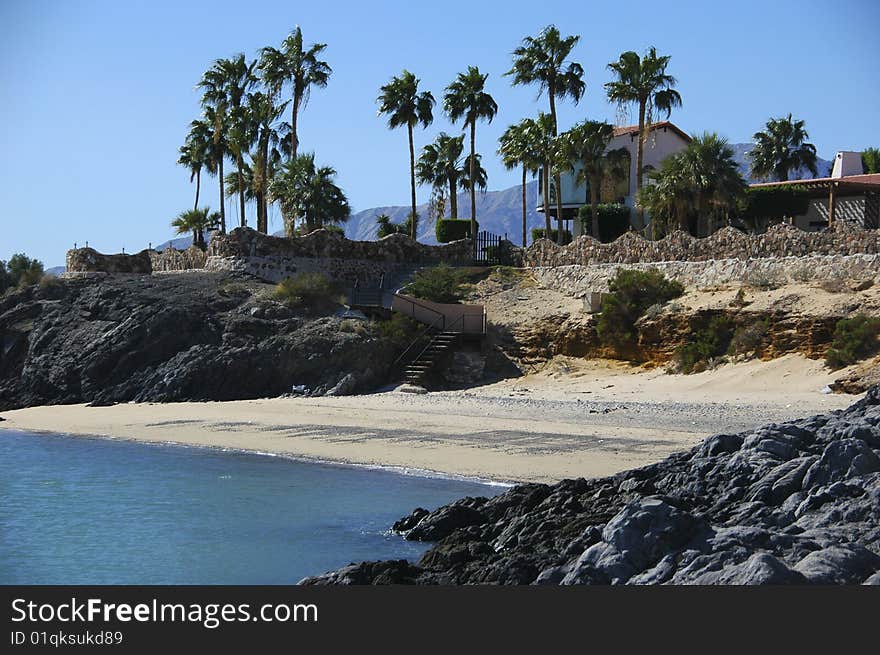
(631, 293)
(763, 206)
(705, 343)
(613, 220)
(749, 338)
(854, 339)
(439, 284)
(310, 290)
(538, 233)
(20, 271)
(453, 229)
(400, 330)
(386, 227)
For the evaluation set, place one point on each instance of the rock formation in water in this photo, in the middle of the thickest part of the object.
(789, 503)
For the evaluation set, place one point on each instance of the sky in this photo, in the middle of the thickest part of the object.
(97, 96)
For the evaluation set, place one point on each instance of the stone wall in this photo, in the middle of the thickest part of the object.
(275, 258)
(89, 260)
(171, 259)
(728, 243)
(578, 280)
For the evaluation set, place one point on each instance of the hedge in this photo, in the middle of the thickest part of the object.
(453, 229)
(764, 205)
(613, 220)
(538, 233)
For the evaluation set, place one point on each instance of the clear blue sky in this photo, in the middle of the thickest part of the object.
(97, 96)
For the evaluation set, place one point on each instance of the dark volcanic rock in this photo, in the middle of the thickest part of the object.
(108, 339)
(790, 503)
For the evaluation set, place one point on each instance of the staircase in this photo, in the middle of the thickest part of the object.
(439, 345)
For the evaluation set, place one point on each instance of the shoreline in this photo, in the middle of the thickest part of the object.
(572, 419)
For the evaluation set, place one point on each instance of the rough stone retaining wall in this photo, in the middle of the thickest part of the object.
(177, 260)
(275, 258)
(728, 243)
(579, 280)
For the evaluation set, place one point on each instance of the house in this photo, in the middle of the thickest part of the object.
(664, 139)
(847, 195)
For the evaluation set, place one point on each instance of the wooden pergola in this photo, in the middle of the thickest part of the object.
(834, 188)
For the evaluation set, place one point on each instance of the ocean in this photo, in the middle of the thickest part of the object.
(78, 510)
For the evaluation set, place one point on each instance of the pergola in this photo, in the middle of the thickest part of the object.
(839, 187)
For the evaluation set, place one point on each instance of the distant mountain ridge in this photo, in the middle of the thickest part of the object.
(499, 212)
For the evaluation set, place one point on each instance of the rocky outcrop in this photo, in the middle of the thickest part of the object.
(193, 336)
(789, 503)
(781, 240)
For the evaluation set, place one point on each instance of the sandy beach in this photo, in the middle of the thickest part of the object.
(574, 418)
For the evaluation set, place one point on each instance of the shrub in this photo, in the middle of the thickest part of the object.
(538, 233)
(763, 206)
(834, 284)
(613, 220)
(311, 290)
(400, 330)
(854, 339)
(631, 293)
(758, 279)
(352, 325)
(704, 345)
(749, 338)
(739, 300)
(453, 229)
(386, 227)
(21, 271)
(439, 284)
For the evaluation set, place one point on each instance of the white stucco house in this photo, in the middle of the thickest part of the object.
(664, 139)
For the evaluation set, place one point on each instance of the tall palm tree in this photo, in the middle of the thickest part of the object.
(224, 86)
(542, 60)
(401, 101)
(516, 150)
(196, 221)
(585, 144)
(265, 138)
(300, 68)
(309, 193)
(466, 98)
(540, 134)
(195, 152)
(214, 119)
(782, 148)
(643, 81)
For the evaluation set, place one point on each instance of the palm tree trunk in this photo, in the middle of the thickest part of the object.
(241, 191)
(412, 181)
(640, 151)
(473, 172)
(558, 180)
(595, 180)
(524, 206)
(546, 184)
(294, 140)
(222, 203)
(453, 199)
(198, 184)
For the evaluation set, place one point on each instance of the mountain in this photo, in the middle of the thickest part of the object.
(499, 212)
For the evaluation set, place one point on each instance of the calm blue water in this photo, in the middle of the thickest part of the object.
(93, 511)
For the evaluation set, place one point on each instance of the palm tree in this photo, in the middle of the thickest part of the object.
(516, 149)
(466, 98)
(308, 193)
(214, 119)
(224, 87)
(298, 67)
(782, 148)
(196, 221)
(643, 81)
(540, 134)
(542, 60)
(401, 101)
(264, 114)
(701, 181)
(585, 144)
(195, 152)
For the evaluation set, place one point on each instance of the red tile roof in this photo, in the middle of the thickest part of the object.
(662, 125)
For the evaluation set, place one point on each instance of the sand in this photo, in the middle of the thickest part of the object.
(574, 418)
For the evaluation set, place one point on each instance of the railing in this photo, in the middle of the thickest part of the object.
(412, 344)
(468, 319)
